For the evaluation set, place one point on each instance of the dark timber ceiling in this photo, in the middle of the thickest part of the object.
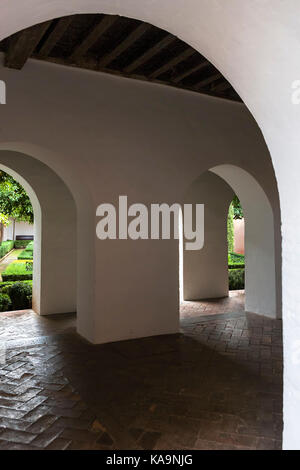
(118, 45)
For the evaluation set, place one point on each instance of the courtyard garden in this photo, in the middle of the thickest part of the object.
(16, 275)
(16, 256)
(236, 271)
(236, 261)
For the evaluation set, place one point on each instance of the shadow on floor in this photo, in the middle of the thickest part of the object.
(217, 385)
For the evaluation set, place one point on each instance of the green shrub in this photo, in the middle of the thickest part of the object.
(236, 261)
(5, 302)
(25, 255)
(236, 266)
(28, 252)
(236, 257)
(5, 285)
(18, 271)
(15, 295)
(6, 247)
(20, 294)
(21, 243)
(230, 229)
(236, 279)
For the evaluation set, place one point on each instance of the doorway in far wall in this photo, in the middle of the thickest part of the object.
(217, 279)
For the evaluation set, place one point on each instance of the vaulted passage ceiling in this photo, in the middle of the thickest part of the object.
(118, 45)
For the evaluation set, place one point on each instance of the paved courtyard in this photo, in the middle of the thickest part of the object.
(235, 302)
(216, 385)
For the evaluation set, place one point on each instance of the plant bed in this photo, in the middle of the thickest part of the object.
(27, 253)
(236, 279)
(21, 243)
(5, 302)
(236, 261)
(5, 284)
(15, 295)
(6, 247)
(18, 271)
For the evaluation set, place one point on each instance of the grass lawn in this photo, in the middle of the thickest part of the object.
(16, 252)
(18, 271)
(17, 267)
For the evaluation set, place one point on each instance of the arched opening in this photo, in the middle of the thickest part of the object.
(119, 45)
(54, 263)
(108, 322)
(205, 273)
(17, 244)
(236, 256)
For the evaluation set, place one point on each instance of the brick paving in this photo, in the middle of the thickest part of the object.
(235, 302)
(216, 385)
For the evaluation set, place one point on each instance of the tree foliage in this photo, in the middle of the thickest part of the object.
(14, 201)
(237, 208)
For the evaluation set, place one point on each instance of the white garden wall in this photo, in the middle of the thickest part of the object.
(21, 228)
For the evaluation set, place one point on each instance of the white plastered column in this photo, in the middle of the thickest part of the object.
(54, 272)
(205, 271)
(260, 277)
(259, 55)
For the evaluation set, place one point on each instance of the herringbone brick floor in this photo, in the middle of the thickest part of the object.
(217, 385)
(235, 302)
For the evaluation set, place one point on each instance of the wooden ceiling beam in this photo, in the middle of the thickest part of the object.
(166, 41)
(173, 62)
(55, 35)
(124, 45)
(222, 86)
(207, 81)
(22, 45)
(191, 70)
(93, 36)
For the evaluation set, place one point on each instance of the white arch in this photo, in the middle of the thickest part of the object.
(255, 45)
(260, 257)
(205, 271)
(36, 285)
(54, 270)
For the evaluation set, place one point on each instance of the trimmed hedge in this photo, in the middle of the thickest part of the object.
(6, 284)
(236, 257)
(21, 243)
(26, 255)
(20, 295)
(6, 247)
(236, 266)
(15, 295)
(230, 229)
(236, 279)
(28, 252)
(5, 302)
(18, 271)
(236, 261)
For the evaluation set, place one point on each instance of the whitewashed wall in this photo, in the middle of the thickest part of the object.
(255, 45)
(205, 271)
(107, 136)
(54, 263)
(21, 228)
